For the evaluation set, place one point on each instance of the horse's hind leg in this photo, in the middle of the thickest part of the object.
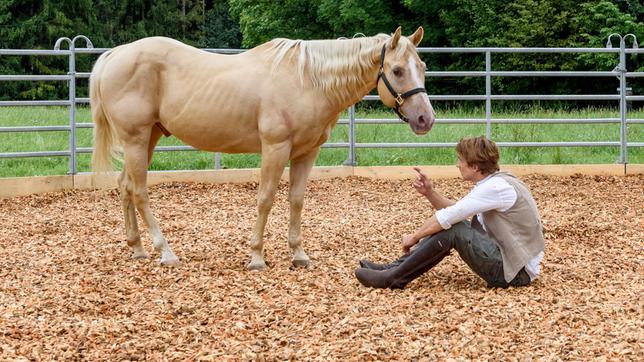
(299, 173)
(131, 227)
(126, 185)
(136, 165)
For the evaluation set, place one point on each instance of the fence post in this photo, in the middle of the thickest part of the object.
(351, 160)
(73, 164)
(217, 160)
(488, 95)
(72, 109)
(621, 68)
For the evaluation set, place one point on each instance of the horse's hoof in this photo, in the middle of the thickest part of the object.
(301, 263)
(257, 266)
(170, 262)
(169, 259)
(140, 255)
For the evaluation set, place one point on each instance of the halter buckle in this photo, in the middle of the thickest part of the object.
(399, 100)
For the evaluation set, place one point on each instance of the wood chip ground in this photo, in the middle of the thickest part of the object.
(69, 290)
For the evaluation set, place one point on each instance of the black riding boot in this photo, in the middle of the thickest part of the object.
(364, 263)
(425, 257)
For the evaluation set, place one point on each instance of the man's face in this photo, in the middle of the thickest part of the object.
(468, 173)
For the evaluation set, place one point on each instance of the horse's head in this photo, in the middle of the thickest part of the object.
(401, 81)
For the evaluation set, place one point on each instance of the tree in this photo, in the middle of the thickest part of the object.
(348, 17)
(36, 25)
(261, 21)
(219, 29)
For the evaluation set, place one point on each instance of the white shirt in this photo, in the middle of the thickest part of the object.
(491, 193)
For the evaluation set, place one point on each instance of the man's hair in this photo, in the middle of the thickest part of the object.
(479, 152)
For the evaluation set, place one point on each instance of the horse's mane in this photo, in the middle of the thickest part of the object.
(337, 67)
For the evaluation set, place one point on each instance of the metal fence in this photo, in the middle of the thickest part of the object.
(621, 97)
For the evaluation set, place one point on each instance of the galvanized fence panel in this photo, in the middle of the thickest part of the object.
(620, 72)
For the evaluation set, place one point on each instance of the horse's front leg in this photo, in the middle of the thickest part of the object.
(299, 174)
(274, 159)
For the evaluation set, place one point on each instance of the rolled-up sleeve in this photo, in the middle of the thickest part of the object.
(493, 194)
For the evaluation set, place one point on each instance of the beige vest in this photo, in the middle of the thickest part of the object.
(518, 230)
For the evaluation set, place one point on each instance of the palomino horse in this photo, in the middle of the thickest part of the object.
(281, 98)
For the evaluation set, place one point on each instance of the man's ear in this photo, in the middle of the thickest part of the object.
(395, 38)
(417, 36)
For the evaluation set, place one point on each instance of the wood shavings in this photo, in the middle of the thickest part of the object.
(69, 291)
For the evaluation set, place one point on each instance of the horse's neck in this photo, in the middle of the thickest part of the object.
(364, 90)
(368, 82)
(343, 80)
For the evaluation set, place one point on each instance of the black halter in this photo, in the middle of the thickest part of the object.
(398, 97)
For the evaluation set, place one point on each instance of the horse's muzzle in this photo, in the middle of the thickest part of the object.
(423, 123)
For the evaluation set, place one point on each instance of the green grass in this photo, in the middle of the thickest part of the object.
(58, 141)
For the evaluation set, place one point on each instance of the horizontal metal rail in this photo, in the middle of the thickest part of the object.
(35, 154)
(375, 97)
(521, 74)
(474, 97)
(499, 121)
(519, 97)
(500, 144)
(634, 74)
(34, 52)
(34, 103)
(346, 121)
(85, 75)
(87, 150)
(35, 129)
(518, 50)
(34, 77)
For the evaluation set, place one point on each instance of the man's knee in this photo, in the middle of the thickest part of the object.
(459, 235)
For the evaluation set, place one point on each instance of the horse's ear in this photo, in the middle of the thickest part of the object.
(417, 36)
(395, 38)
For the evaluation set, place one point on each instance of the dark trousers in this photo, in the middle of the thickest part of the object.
(475, 247)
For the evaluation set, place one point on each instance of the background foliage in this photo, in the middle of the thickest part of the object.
(27, 24)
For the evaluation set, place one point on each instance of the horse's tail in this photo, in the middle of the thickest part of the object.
(105, 137)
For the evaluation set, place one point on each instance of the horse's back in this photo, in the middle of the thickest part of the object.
(211, 101)
(141, 73)
(154, 52)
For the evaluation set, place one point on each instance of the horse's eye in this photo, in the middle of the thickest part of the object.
(397, 71)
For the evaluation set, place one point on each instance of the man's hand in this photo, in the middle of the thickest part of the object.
(407, 242)
(423, 184)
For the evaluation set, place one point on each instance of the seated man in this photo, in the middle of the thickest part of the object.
(503, 244)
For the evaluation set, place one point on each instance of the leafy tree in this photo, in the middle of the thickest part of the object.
(261, 21)
(348, 17)
(36, 25)
(220, 30)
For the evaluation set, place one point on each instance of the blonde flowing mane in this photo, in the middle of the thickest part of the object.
(337, 67)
